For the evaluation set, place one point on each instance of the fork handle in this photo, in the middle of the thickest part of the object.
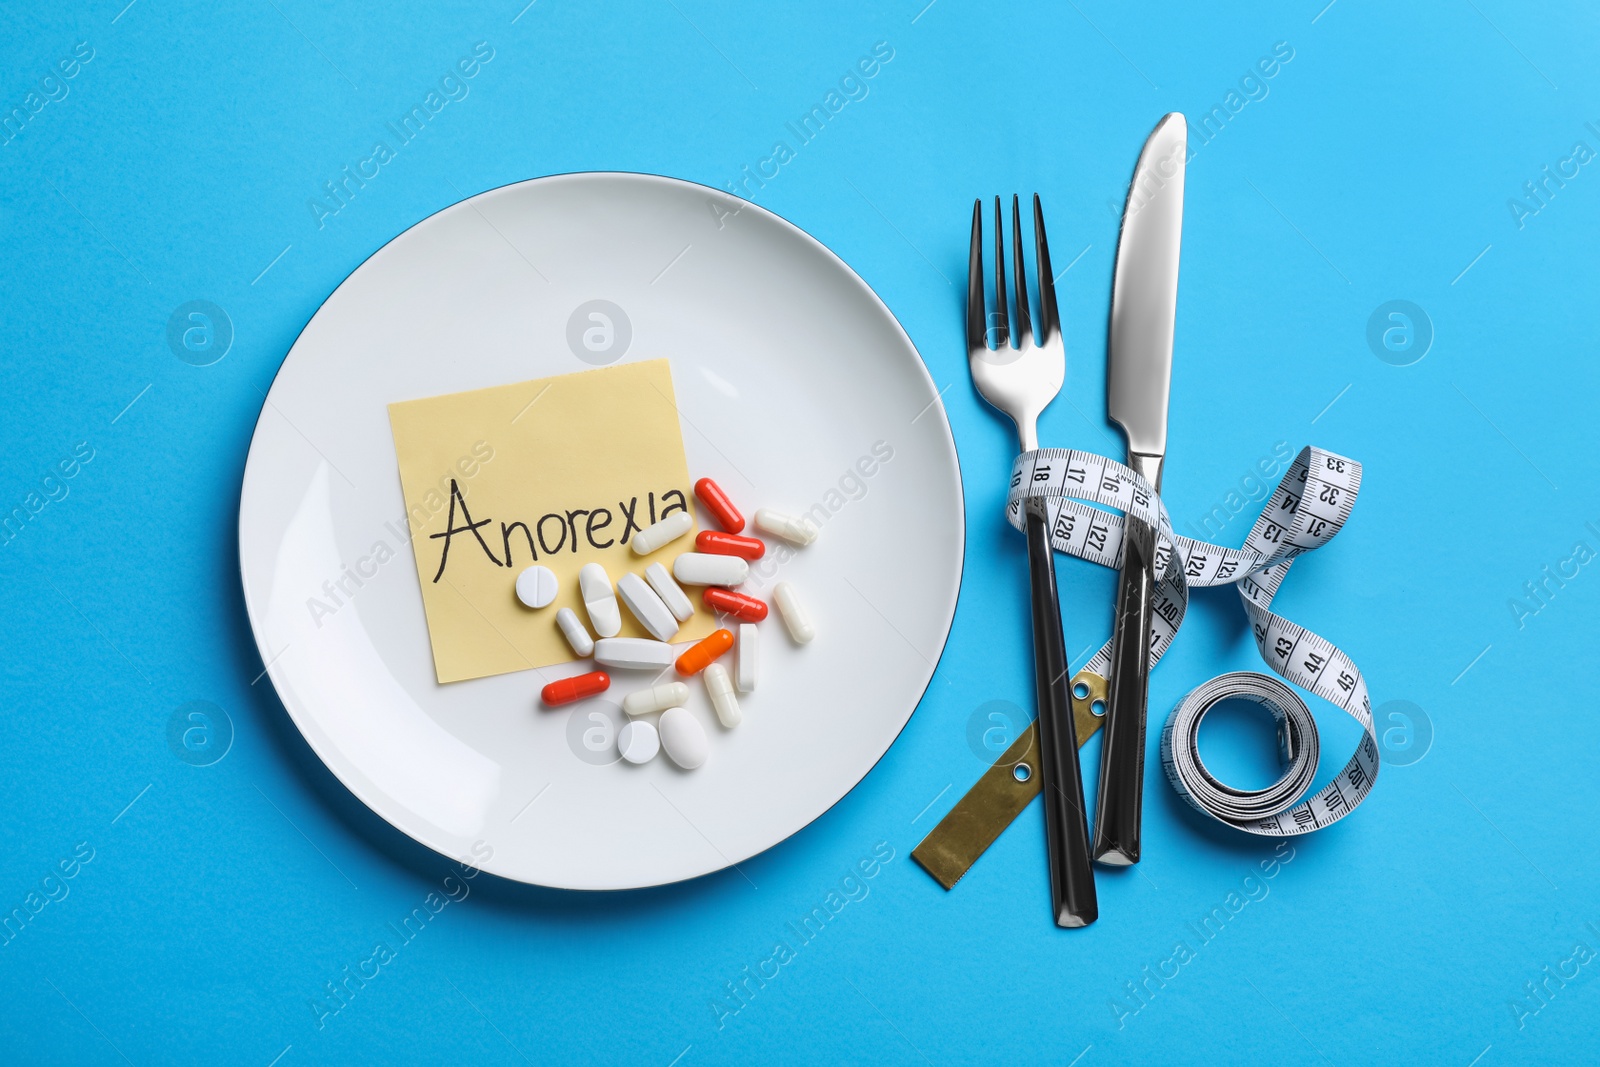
(1120, 804)
(1066, 825)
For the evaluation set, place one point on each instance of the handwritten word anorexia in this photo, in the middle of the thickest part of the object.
(568, 528)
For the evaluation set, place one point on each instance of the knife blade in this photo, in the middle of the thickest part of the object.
(1144, 302)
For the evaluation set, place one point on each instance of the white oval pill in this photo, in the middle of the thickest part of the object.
(794, 616)
(682, 738)
(719, 687)
(634, 653)
(664, 532)
(657, 698)
(671, 594)
(647, 607)
(537, 586)
(747, 658)
(638, 742)
(798, 532)
(594, 586)
(572, 629)
(704, 568)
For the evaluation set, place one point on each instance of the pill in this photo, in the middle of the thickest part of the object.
(638, 742)
(594, 586)
(747, 658)
(702, 568)
(670, 592)
(794, 616)
(537, 586)
(566, 690)
(647, 607)
(719, 687)
(573, 630)
(799, 532)
(633, 653)
(656, 698)
(727, 544)
(703, 652)
(682, 738)
(664, 532)
(738, 605)
(717, 502)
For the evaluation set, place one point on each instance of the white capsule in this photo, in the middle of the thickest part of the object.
(799, 532)
(537, 586)
(656, 698)
(671, 594)
(683, 738)
(664, 532)
(747, 658)
(794, 616)
(594, 586)
(647, 607)
(719, 687)
(638, 742)
(573, 630)
(704, 568)
(634, 653)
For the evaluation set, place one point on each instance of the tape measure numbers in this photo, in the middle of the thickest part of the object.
(1307, 509)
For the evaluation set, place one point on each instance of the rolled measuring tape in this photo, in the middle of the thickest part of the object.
(1243, 809)
(1308, 507)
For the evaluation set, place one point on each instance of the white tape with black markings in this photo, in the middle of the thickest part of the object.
(1309, 506)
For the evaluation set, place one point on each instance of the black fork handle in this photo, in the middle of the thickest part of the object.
(1120, 807)
(1066, 825)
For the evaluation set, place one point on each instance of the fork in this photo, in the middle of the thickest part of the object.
(1020, 376)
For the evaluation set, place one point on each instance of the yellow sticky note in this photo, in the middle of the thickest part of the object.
(558, 471)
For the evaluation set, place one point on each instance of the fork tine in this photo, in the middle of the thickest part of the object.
(1019, 274)
(1002, 335)
(977, 323)
(1049, 312)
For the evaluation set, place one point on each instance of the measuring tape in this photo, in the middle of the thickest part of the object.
(1309, 506)
(1297, 740)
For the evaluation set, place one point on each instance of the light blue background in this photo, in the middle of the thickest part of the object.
(1378, 167)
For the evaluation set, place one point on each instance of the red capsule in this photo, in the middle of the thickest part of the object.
(717, 502)
(566, 690)
(727, 544)
(740, 606)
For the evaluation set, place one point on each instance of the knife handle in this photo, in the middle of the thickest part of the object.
(1121, 798)
(1066, 824)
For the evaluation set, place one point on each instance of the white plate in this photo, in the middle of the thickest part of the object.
(788, 371)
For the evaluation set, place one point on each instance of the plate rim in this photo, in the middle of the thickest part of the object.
(269, 667)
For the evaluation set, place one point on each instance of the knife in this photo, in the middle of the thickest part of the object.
(1144, 298)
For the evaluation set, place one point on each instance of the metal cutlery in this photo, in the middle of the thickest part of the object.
(1144, 299)
(1020, 376)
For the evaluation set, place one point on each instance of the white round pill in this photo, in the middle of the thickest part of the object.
(537, 586)
(683, 738)
(638, 742)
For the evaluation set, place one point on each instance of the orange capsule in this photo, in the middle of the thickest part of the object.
(740, 606)
(717, 502)
(727, 544)
(566, 690)
(701, 654)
